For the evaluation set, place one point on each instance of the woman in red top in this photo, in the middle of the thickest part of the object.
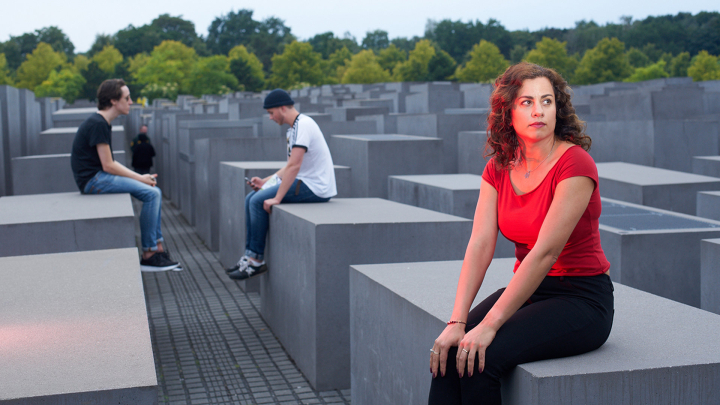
(540, 190)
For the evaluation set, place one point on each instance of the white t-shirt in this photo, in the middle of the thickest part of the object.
(316, 171)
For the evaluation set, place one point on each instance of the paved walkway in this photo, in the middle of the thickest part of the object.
(210, 343)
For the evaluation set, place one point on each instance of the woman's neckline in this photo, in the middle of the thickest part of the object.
(507, 171)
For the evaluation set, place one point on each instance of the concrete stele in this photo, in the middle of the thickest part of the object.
(74, 330)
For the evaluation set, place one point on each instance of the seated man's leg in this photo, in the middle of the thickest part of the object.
(257, 222)
(299, 192)
(105, 183)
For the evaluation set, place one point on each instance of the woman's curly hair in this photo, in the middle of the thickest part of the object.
(502, 142)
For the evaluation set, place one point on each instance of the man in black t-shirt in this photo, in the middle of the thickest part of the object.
(142, 154)
(97, 172)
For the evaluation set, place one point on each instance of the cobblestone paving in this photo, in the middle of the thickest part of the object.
(210, 343)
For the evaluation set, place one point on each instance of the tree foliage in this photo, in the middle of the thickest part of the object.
(678, 66)
(166, 70)
(210, 75)
(441, 66)
(376, 40)
(485, 64)
(458, 38)
(297, 64)
(108, 58)
(327, 43)
(247, 69)
(38, 65)
(552, 53)
(334, 67)
(364, 68)
(389, 57)
(605, 62)
(415, 68)
(66, 83)
(704, 66)
(649, 72)
(636, 58)
(4, 71)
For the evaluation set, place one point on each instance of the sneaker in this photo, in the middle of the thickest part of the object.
(246, 270)
(157, 262)
(242, 263)
(166, 255)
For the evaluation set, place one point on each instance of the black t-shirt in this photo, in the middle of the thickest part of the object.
(85, 160)
(143, 154)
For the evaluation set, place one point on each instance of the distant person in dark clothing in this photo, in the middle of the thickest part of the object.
(143, 131)
(143, 153)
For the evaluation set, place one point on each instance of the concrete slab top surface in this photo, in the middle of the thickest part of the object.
(387, 137)
(74, 111)
(72, 130)
(466, 111)
(714, 158)
(364, 211)
(62, 207)
(648, 331)
(715, 193)
(648, 176)
(633, 217)
(257, 165)
(447, 181)
(73, 322)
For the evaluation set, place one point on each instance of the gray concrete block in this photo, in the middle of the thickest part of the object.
(398, 310)
(434, 97)
(706, 165)
(372, 158)
(73, 117)
(59, 140)
(232, 193)
(478, 96)
(708, 205)
(710, 275)
(204, 204)
(655, 250)
(471, 150)
(65, 222)
(343, 114)
(42, 174)
(626, 141)
(305, 292)
(330, 128)
(30, 120)
(454, 194)
(10, 135)
(75, 330)
(653, 187)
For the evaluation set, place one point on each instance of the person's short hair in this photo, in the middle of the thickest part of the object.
(110, 89)
(502, 142)
(277, 98)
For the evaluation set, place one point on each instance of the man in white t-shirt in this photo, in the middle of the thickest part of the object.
(308, 176)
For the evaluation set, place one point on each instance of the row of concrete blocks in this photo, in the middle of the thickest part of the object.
(74, 321)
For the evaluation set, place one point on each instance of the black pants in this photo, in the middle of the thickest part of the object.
(566, 316)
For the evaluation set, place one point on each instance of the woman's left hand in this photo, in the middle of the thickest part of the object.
(472, 346)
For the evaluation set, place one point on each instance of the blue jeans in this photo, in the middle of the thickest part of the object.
(105, 183)
(257, 219)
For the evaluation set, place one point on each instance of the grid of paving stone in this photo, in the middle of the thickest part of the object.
(210, 343)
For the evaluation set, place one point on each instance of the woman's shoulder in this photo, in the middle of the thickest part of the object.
(576, 154)
(576, 161)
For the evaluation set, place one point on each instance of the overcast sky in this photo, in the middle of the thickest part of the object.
(82, 20)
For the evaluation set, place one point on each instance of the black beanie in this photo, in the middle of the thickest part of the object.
(277, 98)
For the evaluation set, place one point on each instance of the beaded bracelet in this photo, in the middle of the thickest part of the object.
(452, 322)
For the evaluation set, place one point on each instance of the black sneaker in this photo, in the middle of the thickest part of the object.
(157, 262)
(246, 270)
(166, 255)
(243, 262)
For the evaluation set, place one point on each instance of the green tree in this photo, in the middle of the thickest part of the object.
(485, 64)
(334, 67)
(93, 76)
(167, 68)
(247, 68)
(210, 75)
(605, 62)
(441, 66)
(133, 40)
(327, 43)
(4, 71)
(376, 40)
(389, 57)
(298, 63)
(678, 66)
(653, 71)
(38, 65)
(66, 84)
(704, 67)
(108, 58)
(364, 68)
(80, 63)
(416, 67)
(636, 58)
(101, 40)
(552, 53)
(517, 53)
(57, 39)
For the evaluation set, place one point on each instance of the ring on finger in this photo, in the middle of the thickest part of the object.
(432, 350)
(466, 351)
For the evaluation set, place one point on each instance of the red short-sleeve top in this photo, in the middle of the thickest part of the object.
(521, 216)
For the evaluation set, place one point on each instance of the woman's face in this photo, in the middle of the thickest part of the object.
(533, 111)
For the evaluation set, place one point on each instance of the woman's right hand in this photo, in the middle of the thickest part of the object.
(451, 336)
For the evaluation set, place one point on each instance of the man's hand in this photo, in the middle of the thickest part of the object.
(256, 183)
(267, 204)
(149, 179)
